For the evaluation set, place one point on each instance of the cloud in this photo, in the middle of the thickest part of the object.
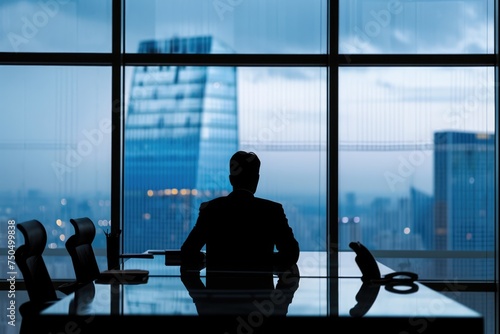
(55, 26)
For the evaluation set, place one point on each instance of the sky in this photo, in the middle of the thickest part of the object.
(376, 105)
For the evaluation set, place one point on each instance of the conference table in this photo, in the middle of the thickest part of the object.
(311, 300)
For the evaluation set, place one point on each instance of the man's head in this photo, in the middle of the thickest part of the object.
(244, 171)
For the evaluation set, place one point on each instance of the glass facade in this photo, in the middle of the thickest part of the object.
(464, 190)
(464, 200)
(181, 129)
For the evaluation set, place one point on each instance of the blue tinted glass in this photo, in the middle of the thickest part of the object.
(55, 26)
(258, 26)
(419, 27)
(55, 141)
(428, 135)
(178, 143)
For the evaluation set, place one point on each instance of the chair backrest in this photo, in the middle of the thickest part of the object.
(79, 247)
(30, 261)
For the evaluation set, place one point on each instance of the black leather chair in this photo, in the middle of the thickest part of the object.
(79, 247)
(39, 285)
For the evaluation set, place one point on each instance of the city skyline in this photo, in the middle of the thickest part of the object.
(387, 117)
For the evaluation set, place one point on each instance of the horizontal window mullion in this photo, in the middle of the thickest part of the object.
(42, 58)
(127, 59)
(434, 254)
(418, 60)
(142, 59)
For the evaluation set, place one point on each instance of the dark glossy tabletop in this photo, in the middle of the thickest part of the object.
(316, 296)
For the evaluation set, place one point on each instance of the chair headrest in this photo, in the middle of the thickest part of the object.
(35, 236)
(84, 230)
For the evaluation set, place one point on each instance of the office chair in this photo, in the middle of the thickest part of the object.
(371, 273)
(29, 259)
(82, 254)
(79, 247)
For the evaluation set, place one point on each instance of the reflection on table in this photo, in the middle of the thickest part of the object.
(309, 298)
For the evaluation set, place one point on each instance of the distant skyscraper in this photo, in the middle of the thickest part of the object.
(464, 176)
(180, 131)
(422, 216)
(349, 222)
(464, 190)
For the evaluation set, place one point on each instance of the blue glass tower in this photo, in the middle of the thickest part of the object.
(464, 190)
(180, 131)
(464, 177)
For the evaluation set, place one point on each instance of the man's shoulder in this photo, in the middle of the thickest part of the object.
(228, 200)
(268, 202)
(214, 202)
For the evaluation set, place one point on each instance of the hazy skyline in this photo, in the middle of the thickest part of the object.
(377, 106)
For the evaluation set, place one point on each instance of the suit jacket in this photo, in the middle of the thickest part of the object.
(241, 233)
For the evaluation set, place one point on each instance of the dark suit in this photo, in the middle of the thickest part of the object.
(240, 232)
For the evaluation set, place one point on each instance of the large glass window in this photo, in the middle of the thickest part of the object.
(245, 27)
(184, 123)
(55, 135)
(55, 26)
(429, 137)
(416, 27)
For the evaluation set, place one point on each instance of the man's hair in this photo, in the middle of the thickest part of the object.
(244, 169)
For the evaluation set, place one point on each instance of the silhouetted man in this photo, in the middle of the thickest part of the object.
(241, 232)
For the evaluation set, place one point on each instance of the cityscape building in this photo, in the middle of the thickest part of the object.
(181, 128)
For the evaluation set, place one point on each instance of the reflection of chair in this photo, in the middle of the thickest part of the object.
(82, 300)
(79, 247)
(365, 298)
(39, 285)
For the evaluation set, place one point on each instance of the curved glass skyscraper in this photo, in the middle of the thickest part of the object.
(180, 131)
